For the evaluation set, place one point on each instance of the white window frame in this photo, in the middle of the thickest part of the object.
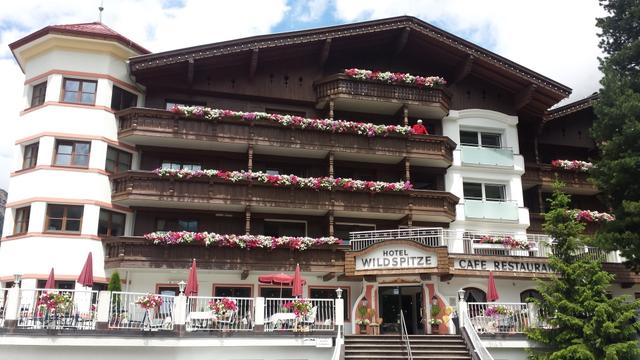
(479, 131)
(306, 225)
(484, 194)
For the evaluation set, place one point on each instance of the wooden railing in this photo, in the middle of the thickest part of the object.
(159, 124)
(342, 85)
(143, 186)
(545, 175)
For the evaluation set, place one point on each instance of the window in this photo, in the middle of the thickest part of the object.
(474, 295)
(67, 218)
(176, 225)
(38, 94)
(30, 156)
(64, 285)
(21, 220)
(285, 228)
(171, 103)
(479, 138)
(177, 165)
(232, 291)
(487, 192)
(168, 289)
(343, 230)
(117, 161)
(330, 293)
(72, 153)
(122, 99)
(80, 91)
(526, 295)
(111, 223)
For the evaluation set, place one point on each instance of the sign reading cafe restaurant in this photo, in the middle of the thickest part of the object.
(497, 265)
(396, 257)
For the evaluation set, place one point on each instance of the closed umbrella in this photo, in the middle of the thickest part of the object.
(192, 282)
(492, 292)
(51, 281)
(86, 275)
(297, 282)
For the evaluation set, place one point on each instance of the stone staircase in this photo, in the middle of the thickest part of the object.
(441, 347)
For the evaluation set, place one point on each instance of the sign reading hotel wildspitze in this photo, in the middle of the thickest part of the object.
(396, 257)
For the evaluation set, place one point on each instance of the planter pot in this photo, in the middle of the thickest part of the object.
(435, 329)
(363, 329)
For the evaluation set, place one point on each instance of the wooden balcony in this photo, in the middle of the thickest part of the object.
(137, 252)
(155, 127)
(545, 175)
(374, 97)
(537, 220)
(141, 188)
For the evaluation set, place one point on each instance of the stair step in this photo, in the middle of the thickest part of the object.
(402, 356)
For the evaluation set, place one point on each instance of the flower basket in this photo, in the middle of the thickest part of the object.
(149, 301)
(223, 309)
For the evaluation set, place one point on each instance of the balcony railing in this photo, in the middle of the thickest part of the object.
(200, 316)
(126, 313)
(349, 90)
(505, 318)
(57, 309)
(153, 126)
(545, 175)
(279, 315)
(426, 236)
(473, 155)
(491, 210)
(138, 187)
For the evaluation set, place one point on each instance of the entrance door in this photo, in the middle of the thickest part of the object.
(394, 299)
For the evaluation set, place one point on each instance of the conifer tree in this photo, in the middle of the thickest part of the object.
(114, 282)
(578, 319)
(616, 129)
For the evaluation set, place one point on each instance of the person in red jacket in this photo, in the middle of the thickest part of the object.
(419, 129)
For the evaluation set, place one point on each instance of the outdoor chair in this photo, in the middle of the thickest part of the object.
(230, 320)
(197, 320)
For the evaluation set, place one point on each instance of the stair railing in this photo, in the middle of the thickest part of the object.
(478, 347)
(405, 336)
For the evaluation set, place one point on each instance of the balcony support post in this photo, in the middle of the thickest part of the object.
(332, 106)
(250, 158)
(247, 220)
(407, 169)
(103, 310)
(259, 314)
(405, 115)
(12, 307)
(330, 158)
(330, 222)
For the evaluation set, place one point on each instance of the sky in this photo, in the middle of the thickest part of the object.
(555, 38)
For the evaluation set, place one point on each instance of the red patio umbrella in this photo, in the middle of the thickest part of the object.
(192, 281)
(51, 281)
(86, 275)
(492, 292)
(297, 282)
(278, 279)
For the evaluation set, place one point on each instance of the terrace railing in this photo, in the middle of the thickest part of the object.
(426, 236)
(126, 313)
(280, 315)
(3, 300)
(57, 309)
(510, 318)
(201, 317)
(481, 352)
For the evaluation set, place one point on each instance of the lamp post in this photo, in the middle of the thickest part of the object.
(461, 294)
(181, 286)
(339, 293)
(365, 301)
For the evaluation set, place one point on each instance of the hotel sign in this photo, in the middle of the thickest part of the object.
(396, 257)
(499, 265)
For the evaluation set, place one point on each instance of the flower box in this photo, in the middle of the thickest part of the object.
(502, 248)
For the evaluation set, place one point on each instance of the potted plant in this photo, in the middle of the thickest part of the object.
(363, 320)
(223, 308)
(435, 322)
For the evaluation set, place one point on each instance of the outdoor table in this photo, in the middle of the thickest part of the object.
(286, 318)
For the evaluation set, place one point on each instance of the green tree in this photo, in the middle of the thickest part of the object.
(616, 129)
(583, 323)
(114, 282)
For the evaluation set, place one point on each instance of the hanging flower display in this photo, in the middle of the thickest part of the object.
(149, 301)
(497, 310)
(397, 78)
(592, 216)
(52, 301)
(317, 183)
(222, 308)
(574, 165)
(300, 307)
(248, 242)
(298, 122)
(507, 241)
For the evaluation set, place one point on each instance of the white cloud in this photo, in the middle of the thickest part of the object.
(554, 38)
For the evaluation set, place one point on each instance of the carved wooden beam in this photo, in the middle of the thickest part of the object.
(247, 220)
(328, 276)
(524, 97)
(462, 70)
(253, 64)
(244, 275)
(425, 277)
(446, 277)
(190, 71)
(324, 54)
